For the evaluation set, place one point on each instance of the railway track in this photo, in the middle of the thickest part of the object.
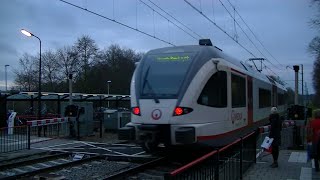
(48, 163)
(157, 168)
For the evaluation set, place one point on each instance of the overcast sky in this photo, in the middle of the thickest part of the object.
(282, 26)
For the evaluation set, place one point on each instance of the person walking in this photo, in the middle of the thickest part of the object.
(275, 133)
(315, 130)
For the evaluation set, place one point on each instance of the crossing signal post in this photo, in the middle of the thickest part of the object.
(74, 111)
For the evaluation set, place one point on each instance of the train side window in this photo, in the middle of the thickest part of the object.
(281, 100)
(264, 98)
(214, 94)
(238, 87)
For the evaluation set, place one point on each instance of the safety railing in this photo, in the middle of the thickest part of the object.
(13, 139)
(46, 129)
(229, 162)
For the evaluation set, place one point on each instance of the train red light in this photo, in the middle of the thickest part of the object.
(178, 111)
(136, 111)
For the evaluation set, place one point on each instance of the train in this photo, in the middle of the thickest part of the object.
(184, 95)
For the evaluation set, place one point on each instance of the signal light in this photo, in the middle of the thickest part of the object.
(178, 111)
(71, 111)
(136, 111)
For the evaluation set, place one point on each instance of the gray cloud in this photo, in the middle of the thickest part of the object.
(282, 26)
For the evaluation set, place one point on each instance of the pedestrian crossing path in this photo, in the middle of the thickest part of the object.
(293, 165)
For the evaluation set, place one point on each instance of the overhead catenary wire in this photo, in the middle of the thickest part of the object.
(120, 23)
(241, 28)
(168, 14)
(167, 19)
(235, 21)
(221, 29)
(254, 33)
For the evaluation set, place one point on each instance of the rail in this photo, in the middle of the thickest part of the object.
(123, 174)
(228, 162)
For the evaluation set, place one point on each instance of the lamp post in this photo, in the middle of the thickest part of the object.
(29, 34)
(5, 67)
(108, 91)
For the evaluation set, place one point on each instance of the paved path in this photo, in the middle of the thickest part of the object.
(293, 165)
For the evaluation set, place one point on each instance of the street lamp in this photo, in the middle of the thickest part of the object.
(29, 34)
(108, 90)
(5, 67)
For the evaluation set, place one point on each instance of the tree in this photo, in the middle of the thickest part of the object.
(50, 71)
(113, 63)
(27, 76)
(91, 68)
(314, 49)
(86, 50)
(67, 61)
(316, 79)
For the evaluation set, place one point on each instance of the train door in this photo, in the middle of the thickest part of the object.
(238, 99)
(250, 100)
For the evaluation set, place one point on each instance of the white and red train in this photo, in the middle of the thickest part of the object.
(197, 94)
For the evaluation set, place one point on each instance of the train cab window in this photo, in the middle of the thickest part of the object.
(238, 88)
(264, 98)
(214, 93)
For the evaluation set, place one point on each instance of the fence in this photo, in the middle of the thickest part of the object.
(21, 137)
(229, 162)
(13, 139)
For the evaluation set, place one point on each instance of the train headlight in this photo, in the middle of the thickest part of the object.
(178, 111)
(136, 111)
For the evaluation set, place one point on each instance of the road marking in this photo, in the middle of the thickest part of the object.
(104, 149)
(138, 153)
(306, 173)
(60, 144)
(299, 157)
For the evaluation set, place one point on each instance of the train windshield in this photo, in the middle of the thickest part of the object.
(163, 74)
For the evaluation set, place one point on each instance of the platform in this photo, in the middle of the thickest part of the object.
(293, 165)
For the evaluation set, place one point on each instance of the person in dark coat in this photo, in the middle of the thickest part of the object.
(275, 133)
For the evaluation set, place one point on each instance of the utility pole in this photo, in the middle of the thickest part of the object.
(307, 93)
(296, 70)
(302, 85)
(5, 66)
(70, 89)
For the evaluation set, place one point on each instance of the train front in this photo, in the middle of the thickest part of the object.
(156, 87)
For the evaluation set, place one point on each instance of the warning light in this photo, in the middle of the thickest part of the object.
(181, 111)
(178, 111)
(136, 111)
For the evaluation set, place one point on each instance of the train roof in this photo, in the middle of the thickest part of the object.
(207, 52)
